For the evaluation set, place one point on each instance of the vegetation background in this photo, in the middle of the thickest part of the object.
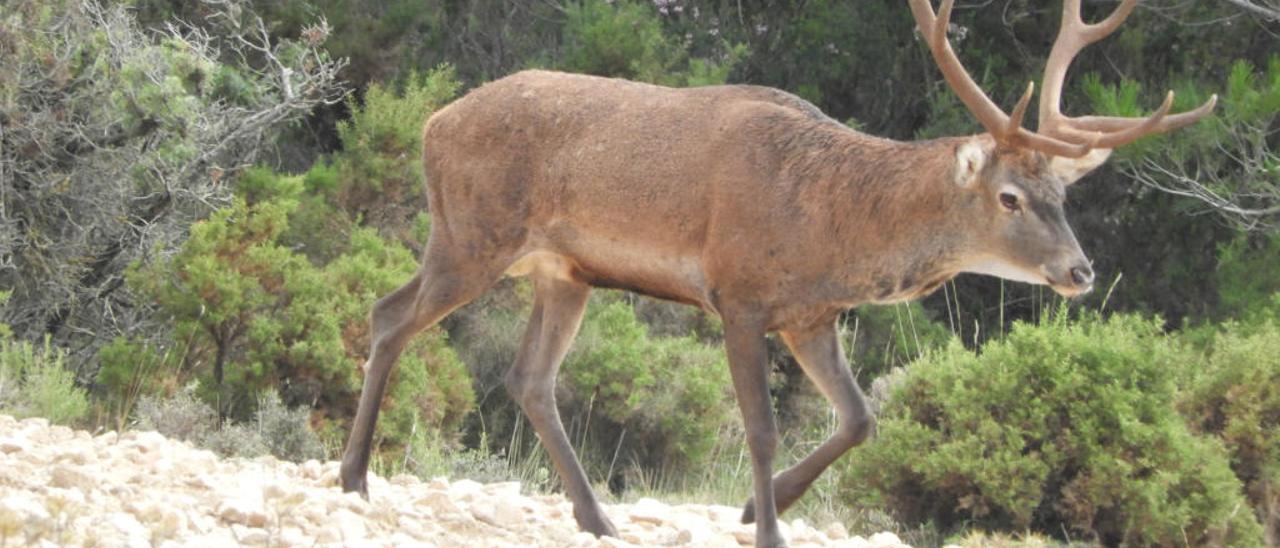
(199, 202)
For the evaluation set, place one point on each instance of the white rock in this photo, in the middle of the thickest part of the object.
(503, 489)
(310, 469)
(886, 540)
(351, 526)
(509, 515)
(14, 445)
(249, 535)
(405, 480)
(647, 510)
(836, 531)
(244, 511)
(466, 489)
(128, 525)
(71, 476)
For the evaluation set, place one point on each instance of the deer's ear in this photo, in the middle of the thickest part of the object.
(1070, 170)
(971, 158)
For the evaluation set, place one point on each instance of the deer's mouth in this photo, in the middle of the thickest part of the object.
(1073, 283)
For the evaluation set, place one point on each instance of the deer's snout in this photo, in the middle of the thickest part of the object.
(1070, 278)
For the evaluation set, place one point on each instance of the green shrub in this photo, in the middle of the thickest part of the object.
(1235, 395)
(625, 40)
(671, 394)
(255, 315)
(35, 382)
(1062, 427)
(275, 429)
(379, 170)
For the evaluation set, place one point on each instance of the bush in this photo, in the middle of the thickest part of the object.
(1234, 396)
(671, 394)
(625, 40)
(253, 315)
(1060, 427)
(35, 382)
(275, 429)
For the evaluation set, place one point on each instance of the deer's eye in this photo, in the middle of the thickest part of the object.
(1010, 201)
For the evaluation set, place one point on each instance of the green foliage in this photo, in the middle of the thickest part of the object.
(625, 39)
(1061, 426)
(261, 315)
(35, 382)
(1248, 275)
(879, 338)
(670, 393)
(274, 429)
(379, 171)
(1234, 395)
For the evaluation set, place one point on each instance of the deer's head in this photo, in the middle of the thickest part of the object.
(1019, 177)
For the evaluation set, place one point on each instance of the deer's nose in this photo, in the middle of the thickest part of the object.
(1082, 274)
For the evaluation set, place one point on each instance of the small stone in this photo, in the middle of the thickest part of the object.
(351, 526)
(614, 542)
(149, 442)
(683, 536)
(647, 510)
(836, 531)
(128, 525)
(355, 503)
(439, 502)
(310, 469)
(59, 432)
(509, 515)
(483, 512)
(242, 511)
(503, 489)
(35, 423)
(886, 540)
(328, 478)
(249, 535)
(70, 476)
(107, 438)
(466, 489)
(404, 480)
(14, 445)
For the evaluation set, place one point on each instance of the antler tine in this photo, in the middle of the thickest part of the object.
(1098, 131)
(1020, 109)
(1108, 124)
(1004, 129)
(934, 30)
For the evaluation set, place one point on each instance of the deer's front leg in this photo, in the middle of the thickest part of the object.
(820, 354)
(749, 366)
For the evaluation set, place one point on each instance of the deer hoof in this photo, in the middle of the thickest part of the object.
(749, 511)
(597, 524)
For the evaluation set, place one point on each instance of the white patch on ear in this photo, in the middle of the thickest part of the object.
(971, 157)
(1070, 170)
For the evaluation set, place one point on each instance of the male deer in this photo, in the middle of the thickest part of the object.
(746, 201)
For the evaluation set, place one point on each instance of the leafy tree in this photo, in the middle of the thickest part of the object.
(255, 315)
(113, 141)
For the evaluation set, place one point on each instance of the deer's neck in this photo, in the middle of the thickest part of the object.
(898, 215)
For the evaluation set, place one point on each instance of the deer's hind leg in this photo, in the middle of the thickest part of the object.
(558, 306)
(440, 286)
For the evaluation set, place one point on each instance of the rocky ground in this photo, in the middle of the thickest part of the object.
(64, 487)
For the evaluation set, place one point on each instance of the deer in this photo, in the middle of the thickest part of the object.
(748, 202)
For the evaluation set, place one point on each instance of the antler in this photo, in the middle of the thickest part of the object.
(1058, 135)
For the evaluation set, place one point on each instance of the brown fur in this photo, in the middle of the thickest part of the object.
(745, 201)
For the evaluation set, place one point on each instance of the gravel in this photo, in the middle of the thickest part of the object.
(60, 486)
